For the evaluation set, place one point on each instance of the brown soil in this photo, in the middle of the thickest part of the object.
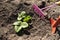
(38, 29)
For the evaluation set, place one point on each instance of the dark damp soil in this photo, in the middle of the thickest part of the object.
(38, 29)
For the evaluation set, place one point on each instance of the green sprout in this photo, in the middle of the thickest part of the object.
(20, 26)
(17, 28)
(21, 15)
(21, 22)
(17, 23)
(24, 25)
(26, 19)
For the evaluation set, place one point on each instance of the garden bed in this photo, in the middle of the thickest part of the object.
(38, 30)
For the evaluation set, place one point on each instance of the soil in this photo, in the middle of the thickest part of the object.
(38, 29)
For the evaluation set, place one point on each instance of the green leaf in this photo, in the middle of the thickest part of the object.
(17, 28)
(17, 23)
(22, 13)
(24, 25)
(19, 18)
(26, 19)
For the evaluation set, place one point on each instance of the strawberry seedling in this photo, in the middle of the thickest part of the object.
(21, 22)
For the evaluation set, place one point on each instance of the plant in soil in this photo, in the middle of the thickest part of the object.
(22, 21)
